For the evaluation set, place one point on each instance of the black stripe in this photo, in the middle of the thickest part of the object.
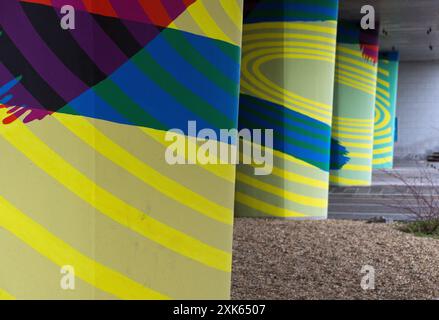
(47, 23)
(17, 64)
(120, 35)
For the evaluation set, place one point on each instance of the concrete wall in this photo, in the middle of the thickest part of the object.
(418, 109)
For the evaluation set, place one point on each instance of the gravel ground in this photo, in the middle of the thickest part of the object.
(275, 259)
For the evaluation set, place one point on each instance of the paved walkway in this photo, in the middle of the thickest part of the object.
(387, 195)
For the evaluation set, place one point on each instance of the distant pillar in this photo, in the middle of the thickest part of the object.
(385, 110)
(354, 104)
(287, 85)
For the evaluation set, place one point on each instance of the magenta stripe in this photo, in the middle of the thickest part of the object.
(131, 15)
(23, 101)
(174, 7)
(43, 60)
(93, 40)
(20, 93)
(130, 10)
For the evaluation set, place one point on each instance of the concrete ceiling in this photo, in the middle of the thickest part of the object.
(404, 25)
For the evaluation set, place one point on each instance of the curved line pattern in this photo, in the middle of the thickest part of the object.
(141, 53)
(297, 186)
(276, 45)
(385, 106)
(354, 125)
(60, 253)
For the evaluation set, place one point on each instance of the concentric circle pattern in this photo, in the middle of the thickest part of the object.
(385, 108)
(354, 103)
(287, 80)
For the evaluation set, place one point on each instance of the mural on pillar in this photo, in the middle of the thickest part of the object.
(84, 178)
(287, 82)
(385, 110)
(354, 102)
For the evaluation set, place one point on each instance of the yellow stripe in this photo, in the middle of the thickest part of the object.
(351, 52)
(354, 84)
(247, 37)
(337, 129)
(279, 154)
(383, 99)
(383, 150)
(383, 83)
(297, 198)
(356, 70)
(385, 140)
(358, 63)
(359, 155)
(384, 72)
(290, 26)
(355, 167)
(348, 182)
(53, 164)
(357, 145)
(258, 80)
(282, 43)
(114, 152)
(353, 125)
(61, 254)
(3, 294)
(291, 176)
(205, 22)
(357, 83)
(232, 9)
(384, 92)
(362, 80)
(265, 207)
(351, 136)
(280, 48)
(353, 120)
(383, 132)
(273, 52)
(257, 92)
(383, 160)
(223, 171)
(381, 110)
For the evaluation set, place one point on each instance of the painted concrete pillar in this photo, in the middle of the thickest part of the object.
(385, 110)
(354, 104)
(85, 186)
(287, 85)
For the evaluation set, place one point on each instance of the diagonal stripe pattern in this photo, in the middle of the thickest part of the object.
(85, 113)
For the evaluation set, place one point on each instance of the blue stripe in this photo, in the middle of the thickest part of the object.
(91, 105)
(212, 52)
(153, 99)
(248, 117)
(282, 114)
(191, 78)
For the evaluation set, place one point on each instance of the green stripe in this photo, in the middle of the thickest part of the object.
(181, 45)
(146, 63)
(293, 129)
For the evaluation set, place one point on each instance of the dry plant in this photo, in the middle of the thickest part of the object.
(419, 199)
